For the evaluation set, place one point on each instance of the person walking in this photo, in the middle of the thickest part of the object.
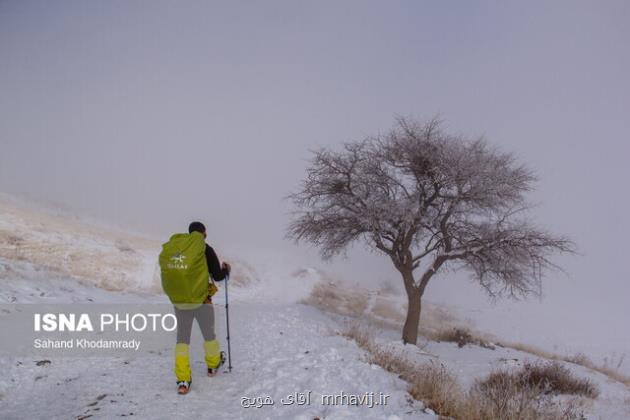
(189, 267)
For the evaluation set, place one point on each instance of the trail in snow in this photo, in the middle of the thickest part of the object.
(278, 349)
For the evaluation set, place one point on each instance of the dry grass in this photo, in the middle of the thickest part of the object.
(608, 369)
(430, 383)
(384, 309)
(97, 255)
(437, 324)
(360, 336)
(523, 395)
(437, 388)
(549, 377)
(332, 298)
(512, 396)
(462, 336)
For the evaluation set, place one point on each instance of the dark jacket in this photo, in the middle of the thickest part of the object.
(214, 267)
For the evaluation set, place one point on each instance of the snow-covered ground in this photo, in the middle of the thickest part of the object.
(279, 346)
(106, 257)
(566, 321)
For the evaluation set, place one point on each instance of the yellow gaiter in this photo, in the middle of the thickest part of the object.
(213, 355)
(182, 363)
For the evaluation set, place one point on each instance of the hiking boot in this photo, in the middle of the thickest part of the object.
(213, 371)
(183, 387)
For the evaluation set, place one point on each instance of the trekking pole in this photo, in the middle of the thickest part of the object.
(227, 321)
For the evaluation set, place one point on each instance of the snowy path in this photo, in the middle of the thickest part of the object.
(277, 350)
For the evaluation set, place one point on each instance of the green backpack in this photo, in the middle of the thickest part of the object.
(184, 268)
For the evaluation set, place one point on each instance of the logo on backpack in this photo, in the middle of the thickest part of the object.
(178, 262)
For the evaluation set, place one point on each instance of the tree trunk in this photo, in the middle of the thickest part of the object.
(410, 329)
(414, 304)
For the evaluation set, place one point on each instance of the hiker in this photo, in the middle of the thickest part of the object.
(187, 263)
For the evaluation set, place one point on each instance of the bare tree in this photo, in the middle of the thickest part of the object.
(429, 200)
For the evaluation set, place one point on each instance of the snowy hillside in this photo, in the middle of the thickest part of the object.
(107, 257)
(104, 257)
(280, 344)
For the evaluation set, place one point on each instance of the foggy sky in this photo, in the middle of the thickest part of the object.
(152, 114)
